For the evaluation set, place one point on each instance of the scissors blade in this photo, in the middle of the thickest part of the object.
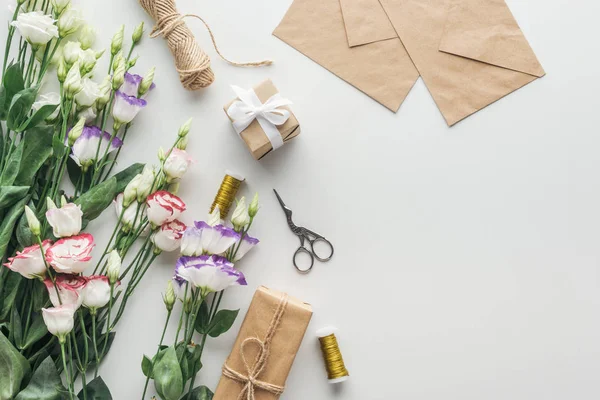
(285, 208)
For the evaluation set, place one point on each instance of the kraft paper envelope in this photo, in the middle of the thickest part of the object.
(499, 59)
(366, 22)
(382, 70)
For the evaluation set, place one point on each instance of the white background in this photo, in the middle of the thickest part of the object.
(466, 262)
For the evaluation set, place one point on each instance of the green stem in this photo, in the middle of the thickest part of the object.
(64, 358)
(48, 271)
(108, 327)
(95, 344)
(162, 338)
(11, 32)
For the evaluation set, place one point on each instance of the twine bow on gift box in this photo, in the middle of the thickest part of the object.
(250, 378)
(269, 116)
(192, 63)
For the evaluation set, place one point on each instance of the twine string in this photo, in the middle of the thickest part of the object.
(191, 62)
(250, 378)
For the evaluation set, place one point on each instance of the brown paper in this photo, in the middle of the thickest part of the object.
(366, 22)
(255, 138)
(485, 30)
(461, 86)
(284, 345)
(382, 70)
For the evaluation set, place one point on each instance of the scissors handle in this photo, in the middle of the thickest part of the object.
(321, 239)
(304, 250)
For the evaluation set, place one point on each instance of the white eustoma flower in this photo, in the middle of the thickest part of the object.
(65, 221)
(71, 52)
(209, 273)
(51, 98)
(85, 148)
(89, 93)
(37, 28)
(69, 22)
(59, 320)
(87, 36)
(176, 165)
(203, 238)
(96, 293)
(247, 243)
(89, 114)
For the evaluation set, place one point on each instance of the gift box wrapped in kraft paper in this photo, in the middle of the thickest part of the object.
(262, 118)
(265, 348)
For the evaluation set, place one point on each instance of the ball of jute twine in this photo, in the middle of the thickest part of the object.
(191, 62)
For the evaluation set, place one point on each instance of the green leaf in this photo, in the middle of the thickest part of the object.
(125, 176)
(96, 390)
(3, 101)
(13, 368)
(222, 321)
(11, 288)
(167, 376)
(39, 116)
(23, 233)
(193, 356)
(13, 79)
(36, 331)
(75, 172)
(16, 328)
(146, 366)
(97, 199)
(20, 107)
(37, 149)
(11, 169)
(7, 226)
(58, 147)
(203, 320)
(199, 393)
(45, 384)
(9, 195)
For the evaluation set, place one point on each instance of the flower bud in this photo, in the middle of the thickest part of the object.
(87, 60)
(187, 304)
(253, 207)
(119, 75)
(105, 89)
(146, 183)
(117, 41)
(185, 128)
(73, 84)
(57, 5)
(87, 37)
(76, 131)
(61, 71)
(138, 32)
(71, 52)
(161, 154)
(69, 22)
(113, 268)
(240, 217)
(117, 59)
(130, 193)
(182, 143)
(50, 204)
(146, 83)
(32, 221)
(169, 297)
(214, 218)
(63, 201)
(132, 61)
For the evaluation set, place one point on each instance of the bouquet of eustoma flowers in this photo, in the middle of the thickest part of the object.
(56, 322)
(205, 269)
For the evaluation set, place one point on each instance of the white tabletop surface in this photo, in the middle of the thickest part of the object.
(467, 258)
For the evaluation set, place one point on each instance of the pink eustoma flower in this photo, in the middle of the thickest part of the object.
(168, 237)
(97, 292)
(29, 262)
(164, 207)
(70, 288)
(71, 255)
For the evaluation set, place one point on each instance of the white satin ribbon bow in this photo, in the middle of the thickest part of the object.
(249, 107)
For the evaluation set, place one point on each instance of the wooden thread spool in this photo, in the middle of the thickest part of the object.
(334, 363)
(227, 192)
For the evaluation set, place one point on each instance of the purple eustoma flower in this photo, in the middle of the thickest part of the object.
(209, 273)
(205, 239)
(126, 107)
(247, 244)
(131, 85)
(85, 148)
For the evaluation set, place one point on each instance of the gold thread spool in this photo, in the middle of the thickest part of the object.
(227, 192)
(334, 363)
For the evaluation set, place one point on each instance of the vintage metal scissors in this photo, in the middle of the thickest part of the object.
(305, 235)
